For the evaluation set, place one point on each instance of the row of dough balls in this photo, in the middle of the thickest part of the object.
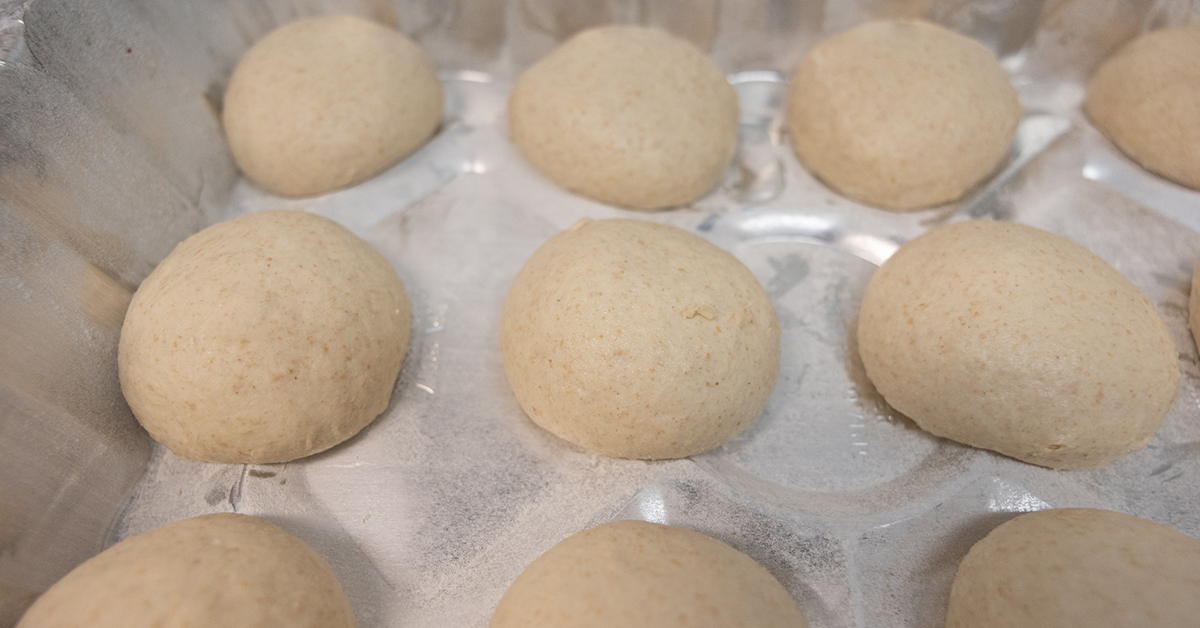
(280, 334)
(1068, 568)
(897, 114)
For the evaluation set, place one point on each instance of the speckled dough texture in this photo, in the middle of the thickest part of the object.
(226, 570)
(327, 102)
(633, 574)
(901, 114)
(1013, 339)
(639, 340)
(1078, 568)
(264, 339)
(626, 115)
(1146, 99)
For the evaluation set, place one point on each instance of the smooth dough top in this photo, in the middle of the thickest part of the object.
(626, 115)
(1013, 339)
(226, 570)
(1078, 568)
(901, 114)
(639, 340)
(1146, 99)
(264, 339)
(633, 574)
(327, 102)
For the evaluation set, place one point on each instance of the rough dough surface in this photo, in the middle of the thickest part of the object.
(1078, 568)
(264, 339)
(1146, 99)
(1013, 339)
(327, 102)
(633, 574)
(226, 570)
(639, 340)
(626, 115)
(901, 114)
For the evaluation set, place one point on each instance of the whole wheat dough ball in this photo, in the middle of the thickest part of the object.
(1013, 339)
(264, 339)
(1146, 99)
(1078, 568)
(901, 114)
(327, 102)
(226, 570)
(626, 115)
(633, 574)
(639, 340)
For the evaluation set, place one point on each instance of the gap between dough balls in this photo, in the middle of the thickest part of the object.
(639, 340)
(1013, 339)
(226, 570)
(626, 115)
(327, 102)
(634, 574)
(264, 339)
(901, 114)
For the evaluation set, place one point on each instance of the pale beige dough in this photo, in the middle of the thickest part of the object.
(633, 574)
(225, 570)
(327, 102)
(1013, 339)
(264, 339)
(1146, 99)
(901, 114)
(1194, 306)
(1078, 568)
(639, 340)
(626, 115)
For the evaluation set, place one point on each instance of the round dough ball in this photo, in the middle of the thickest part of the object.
(626, 115)
(327, 102)
(639, 340)
(1013, 339)
(1078, 568)
(633, 574)
(1146, 99)
(264, 339)
(226, 570)
(901, 114)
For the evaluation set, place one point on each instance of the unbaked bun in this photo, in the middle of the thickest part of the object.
(633, 574)
(901, 114)
(264, 339)
(639, 340)
(626, 115)
(1146, 99)
(327, 102)
(1013, 339)
(1078, 568)
(225, 570)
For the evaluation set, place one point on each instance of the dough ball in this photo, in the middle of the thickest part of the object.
(226, 570)
(1194, 306)
(901, 114)
(264, 339)
(1078, 568)
(626, 115)
(633, 574)
(327, 102)
(639, 340)
(1146, 99)
(1013, 339)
